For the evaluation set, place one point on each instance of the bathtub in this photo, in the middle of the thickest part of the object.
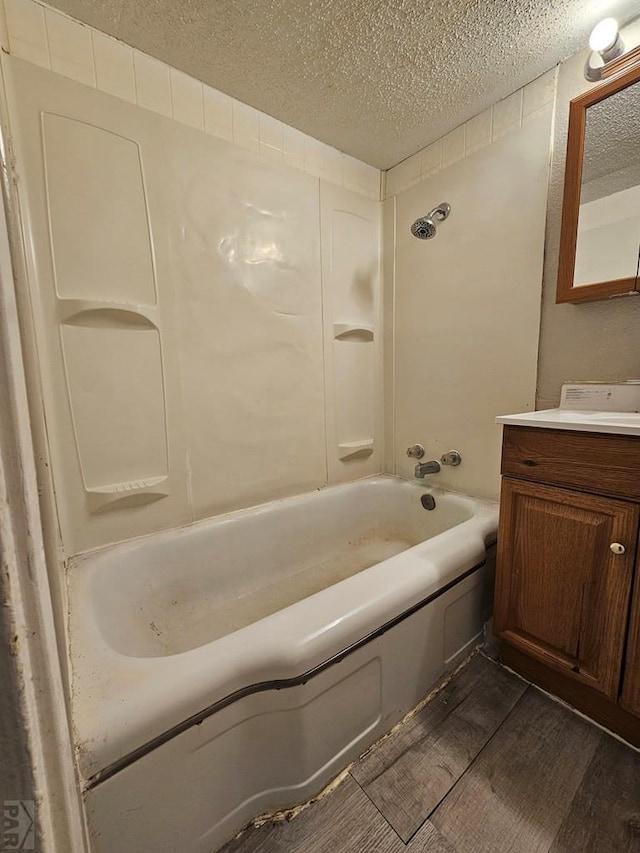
(235, 666)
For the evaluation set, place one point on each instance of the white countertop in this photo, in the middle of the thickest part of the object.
(620, 423)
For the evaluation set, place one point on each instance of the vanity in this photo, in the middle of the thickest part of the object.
(567, 607)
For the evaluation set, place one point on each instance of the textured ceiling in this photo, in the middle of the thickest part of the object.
(378, 79)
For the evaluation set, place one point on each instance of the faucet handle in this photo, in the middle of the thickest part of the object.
(452, 457)
(416, 451)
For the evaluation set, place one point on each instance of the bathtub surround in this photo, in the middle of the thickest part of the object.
(212, 285)
(463, 308)
(189, 455)
(351, 237)
(466, 304)
(388, 320)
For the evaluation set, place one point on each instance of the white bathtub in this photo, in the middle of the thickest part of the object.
(234, 666)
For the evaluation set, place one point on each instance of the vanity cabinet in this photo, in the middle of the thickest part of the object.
(631, 679)
(567, 607)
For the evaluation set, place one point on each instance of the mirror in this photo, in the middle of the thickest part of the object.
(600, 238)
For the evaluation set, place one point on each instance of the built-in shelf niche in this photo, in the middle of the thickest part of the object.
(87, 311)
(128, 494)
(115, 385)
(350, 449)
(352, 330)
(352, 263)
(353, 356)
(107, 312)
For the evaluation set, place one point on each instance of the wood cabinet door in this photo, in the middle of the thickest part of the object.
(631, 681)
(562, 594)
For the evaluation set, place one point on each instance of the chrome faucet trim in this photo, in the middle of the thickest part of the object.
(416, 450)
(423, 468)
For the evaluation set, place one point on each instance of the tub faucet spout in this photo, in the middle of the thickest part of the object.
(431, 467)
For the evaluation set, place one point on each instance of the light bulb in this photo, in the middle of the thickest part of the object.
(604, 35)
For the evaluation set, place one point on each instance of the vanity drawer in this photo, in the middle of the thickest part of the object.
(593, 462)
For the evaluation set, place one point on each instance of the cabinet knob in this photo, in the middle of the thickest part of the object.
(617, 548)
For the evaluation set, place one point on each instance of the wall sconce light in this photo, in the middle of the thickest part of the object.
(605, 40)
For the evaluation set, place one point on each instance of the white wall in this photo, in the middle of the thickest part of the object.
(467, 302)
(177, 288)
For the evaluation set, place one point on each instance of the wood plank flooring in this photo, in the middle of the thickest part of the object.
(523, 781)
(605, 813)
(490, 765)
(410, 773)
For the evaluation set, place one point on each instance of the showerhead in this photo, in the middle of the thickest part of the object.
(425, 227)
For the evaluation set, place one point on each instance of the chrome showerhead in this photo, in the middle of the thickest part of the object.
(425, 227)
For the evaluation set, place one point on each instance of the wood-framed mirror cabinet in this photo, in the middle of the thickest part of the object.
(600, 233)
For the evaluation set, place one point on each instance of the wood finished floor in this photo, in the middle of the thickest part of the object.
(490, 765)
